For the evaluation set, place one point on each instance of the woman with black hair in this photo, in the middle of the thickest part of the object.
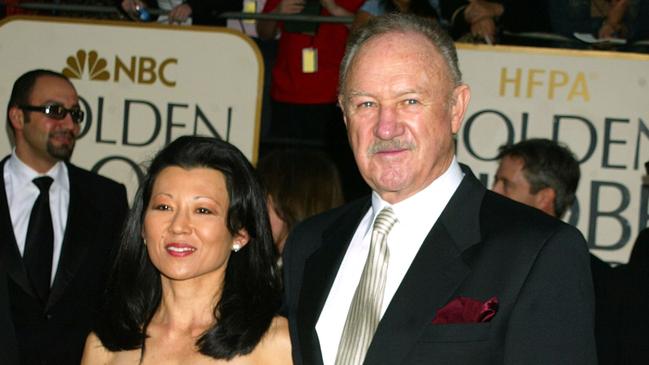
(195, 279)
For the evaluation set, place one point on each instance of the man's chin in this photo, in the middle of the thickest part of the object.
(62, 152)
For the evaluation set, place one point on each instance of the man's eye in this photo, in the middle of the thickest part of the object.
(411, 101)
(366, 104)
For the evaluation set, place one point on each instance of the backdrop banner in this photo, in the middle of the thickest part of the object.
(141, 85)
(596, 103)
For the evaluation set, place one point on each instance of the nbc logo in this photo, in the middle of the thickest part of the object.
(77, 65)
(139, 70)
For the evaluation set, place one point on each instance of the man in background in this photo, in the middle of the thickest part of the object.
(539, 173)
(60, 226)
(544, 174)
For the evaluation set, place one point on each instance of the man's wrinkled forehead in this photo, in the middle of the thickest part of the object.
(394, 45)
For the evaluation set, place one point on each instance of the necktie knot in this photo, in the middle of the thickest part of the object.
(43, 183)
(384, 221)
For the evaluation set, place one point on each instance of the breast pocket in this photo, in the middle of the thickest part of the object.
(457, 332)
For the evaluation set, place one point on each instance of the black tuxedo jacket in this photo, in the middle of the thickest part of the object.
(482, 246)
(55, 332)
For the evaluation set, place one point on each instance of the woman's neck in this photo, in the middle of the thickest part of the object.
(188, 305)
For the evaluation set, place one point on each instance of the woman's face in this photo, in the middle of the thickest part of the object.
(185, 223)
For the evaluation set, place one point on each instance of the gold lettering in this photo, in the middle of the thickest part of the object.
(119, 65)
(146, 71)
(532, 81)
(557, 79)
(579, 88)
(516, 81)
(161, 72)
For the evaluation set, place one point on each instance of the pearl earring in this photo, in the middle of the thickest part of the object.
(236, 247)
(144, 240)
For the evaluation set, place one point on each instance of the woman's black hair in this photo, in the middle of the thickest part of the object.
(251, 288)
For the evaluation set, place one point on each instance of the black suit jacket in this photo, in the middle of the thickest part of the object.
(55, 333)
(483, 245)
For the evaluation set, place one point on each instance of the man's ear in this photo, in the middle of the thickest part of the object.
(341, 105)
(459, 104)
(544, 200)
(16, 118)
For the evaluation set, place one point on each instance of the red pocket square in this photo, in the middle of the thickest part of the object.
(466, 310)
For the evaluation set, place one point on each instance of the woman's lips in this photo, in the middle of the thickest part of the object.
(179, 249)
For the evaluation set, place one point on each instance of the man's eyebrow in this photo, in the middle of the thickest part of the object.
(52, 101)
(357, 93)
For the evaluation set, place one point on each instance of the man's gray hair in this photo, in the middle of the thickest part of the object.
(402, 23)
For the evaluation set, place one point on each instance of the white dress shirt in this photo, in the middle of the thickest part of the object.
(415, 218)
(22, 194)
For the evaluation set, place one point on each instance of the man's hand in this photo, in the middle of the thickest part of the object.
(180, 13)
(485, 28)
(130, 6)
(613, 23)
(289, 7)
(481, 9)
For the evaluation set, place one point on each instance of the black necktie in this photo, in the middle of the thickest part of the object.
(39, 244)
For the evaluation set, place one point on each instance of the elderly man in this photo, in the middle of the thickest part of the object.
(432, 268)
(60, 227)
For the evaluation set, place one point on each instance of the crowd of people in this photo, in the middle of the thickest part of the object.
(365, 242)
(477, 20)
(303, 58)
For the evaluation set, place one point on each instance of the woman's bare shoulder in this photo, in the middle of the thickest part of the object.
(279, 328)
(94, 352)
(275, 346)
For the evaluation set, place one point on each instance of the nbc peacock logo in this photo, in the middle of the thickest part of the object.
(87, 62)
(141, 70)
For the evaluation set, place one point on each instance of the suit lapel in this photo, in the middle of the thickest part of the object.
(319, 275)
(78, 231)
(433, 277)
(9, 252)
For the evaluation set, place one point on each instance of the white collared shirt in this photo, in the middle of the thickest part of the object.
(22, 194)
(416, 216)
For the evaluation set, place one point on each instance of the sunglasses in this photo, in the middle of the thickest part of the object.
(57, 111)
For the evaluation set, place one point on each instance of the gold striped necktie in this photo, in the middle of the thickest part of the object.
(365, 310)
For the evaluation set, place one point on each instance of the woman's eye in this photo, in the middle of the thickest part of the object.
(161, 207)
(203, 211)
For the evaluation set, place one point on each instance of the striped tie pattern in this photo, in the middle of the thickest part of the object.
(364, 312)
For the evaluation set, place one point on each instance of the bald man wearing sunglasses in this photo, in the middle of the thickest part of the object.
(60, 227)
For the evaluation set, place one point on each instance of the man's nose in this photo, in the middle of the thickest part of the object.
(67, 121)
(388, 125)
